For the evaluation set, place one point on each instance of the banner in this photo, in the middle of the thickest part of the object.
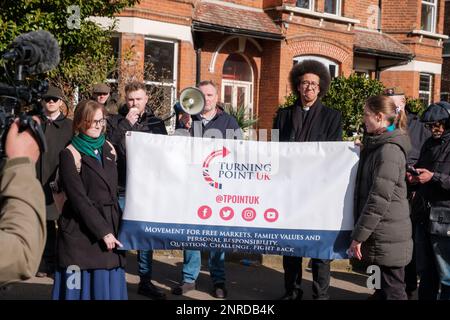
(249, 196)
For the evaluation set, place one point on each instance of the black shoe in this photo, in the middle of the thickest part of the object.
(220, 291)
(377, 295)
(296, 294)
(183, 288)
(148, 289)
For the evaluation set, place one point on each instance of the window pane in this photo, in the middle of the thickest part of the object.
(304, 4)
(425, 99)
(227, 96)
(331, 6)
(424, 82)
(427, 17)
(158, 60)
(237, 68)
(446, 49)
(115, 47)
(159, 99)
(241, 101)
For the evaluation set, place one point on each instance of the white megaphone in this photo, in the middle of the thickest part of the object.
(192, 101)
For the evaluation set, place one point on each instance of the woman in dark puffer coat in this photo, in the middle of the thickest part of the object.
(382, 235)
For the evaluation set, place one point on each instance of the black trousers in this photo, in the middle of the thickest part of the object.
(293, 273)
(411, 269)
(393, 283)
(48, 260)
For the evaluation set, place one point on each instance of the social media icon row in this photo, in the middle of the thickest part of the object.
(227, 213)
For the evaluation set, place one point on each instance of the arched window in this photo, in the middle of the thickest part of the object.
(236, 68)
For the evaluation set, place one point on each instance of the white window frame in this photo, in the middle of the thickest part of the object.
(338, 9)
(173, 85)
(311, 5)
(430, 92)
(433, 5)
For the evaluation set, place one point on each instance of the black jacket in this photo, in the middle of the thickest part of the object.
(58, 134)
(326, 126)
(418, 135)
(435, 156)
(91, 212)
(118, 125)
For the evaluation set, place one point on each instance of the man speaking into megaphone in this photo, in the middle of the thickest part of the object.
(203, 117)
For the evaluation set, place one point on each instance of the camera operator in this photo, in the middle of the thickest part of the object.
(22, 212)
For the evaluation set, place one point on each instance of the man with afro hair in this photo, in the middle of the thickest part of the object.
(308, 120)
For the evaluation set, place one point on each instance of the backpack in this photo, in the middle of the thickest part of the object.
(59, 196)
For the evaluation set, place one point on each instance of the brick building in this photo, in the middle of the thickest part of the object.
(445, 81)
(248, 47)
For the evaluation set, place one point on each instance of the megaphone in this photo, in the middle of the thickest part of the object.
(192, 101)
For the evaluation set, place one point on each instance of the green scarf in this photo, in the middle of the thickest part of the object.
(87, 145)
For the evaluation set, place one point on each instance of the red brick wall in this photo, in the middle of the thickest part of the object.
(401, 15)
(445, 79)
(186, 65)
(364, 10)
(274, 68)
(132, 59)
(249, 3)
(171, 11)
(407, 80)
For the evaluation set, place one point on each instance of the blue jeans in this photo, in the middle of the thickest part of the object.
(192, 263)
(144, 258)
(441, 249)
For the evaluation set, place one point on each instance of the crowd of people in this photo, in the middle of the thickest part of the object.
(401, 200)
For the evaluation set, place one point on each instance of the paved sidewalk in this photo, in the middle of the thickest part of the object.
(243, 283)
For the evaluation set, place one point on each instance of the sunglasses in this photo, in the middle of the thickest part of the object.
(432, 125)
(48, 99)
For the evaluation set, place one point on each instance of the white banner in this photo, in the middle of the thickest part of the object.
(232, 195)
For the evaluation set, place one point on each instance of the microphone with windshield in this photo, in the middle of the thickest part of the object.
(30, 54)
(34, 52)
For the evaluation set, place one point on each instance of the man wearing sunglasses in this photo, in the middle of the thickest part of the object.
(431, 205)
(58, 133)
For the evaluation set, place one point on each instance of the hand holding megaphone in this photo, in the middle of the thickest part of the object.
(191, 102)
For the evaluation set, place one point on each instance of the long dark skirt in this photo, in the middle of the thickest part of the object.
(96, 284)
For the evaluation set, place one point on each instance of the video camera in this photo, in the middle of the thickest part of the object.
(31, 53)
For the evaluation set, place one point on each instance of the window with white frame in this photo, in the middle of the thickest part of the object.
(160, 70)
(333, 7)
(425, 88)
(305, 4)
(429, 12)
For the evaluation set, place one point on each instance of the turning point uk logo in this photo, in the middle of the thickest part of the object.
(233, 170)
(224, 152)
